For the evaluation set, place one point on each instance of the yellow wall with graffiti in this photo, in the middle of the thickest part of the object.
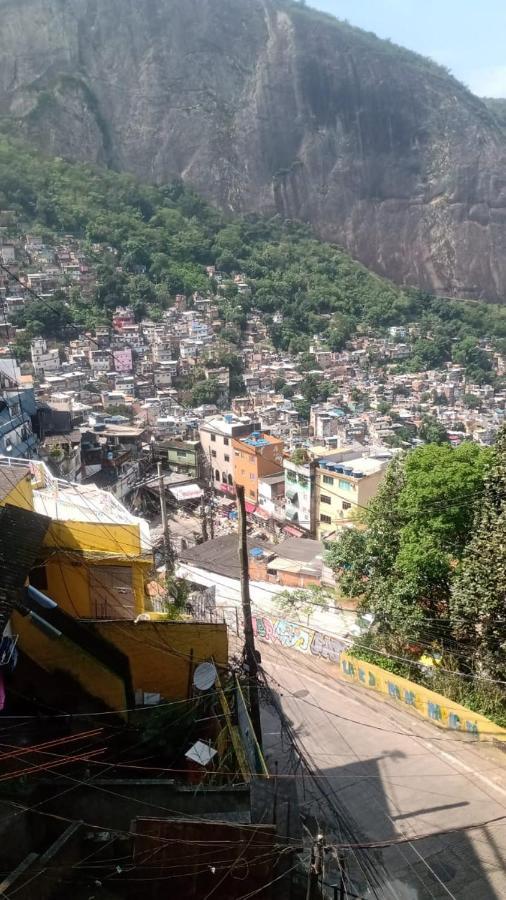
(434, 707)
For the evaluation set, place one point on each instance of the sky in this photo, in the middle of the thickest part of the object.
(467, 36)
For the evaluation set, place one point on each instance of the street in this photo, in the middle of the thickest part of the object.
(383, 776)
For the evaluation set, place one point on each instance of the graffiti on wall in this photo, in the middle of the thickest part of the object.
(296, 637)
(428, 704)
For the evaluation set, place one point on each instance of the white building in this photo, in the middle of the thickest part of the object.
(44, 360)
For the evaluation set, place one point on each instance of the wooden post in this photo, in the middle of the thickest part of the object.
(250, 654)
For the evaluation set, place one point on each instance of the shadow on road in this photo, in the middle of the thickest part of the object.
(356, 803)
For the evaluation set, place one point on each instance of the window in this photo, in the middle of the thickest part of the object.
(227, 457)
(230, 480)
(217, 475)
(224, 477)
(226, 441)
(291, 476)
(325, 499)
(326, 520)
(213, 454)
(253, 477)
(213, 438)
(181, 452)
(346, 505)
(327, 479)
(344, 485)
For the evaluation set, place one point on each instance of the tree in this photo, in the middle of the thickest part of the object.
(206, 392)
(472, 401)
(415, 532)
(433, 432)
(478, 599)
(305, 600)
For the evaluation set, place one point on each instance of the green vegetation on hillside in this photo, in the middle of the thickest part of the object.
(161, 239)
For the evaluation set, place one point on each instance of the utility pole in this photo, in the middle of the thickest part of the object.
(315, 868)
(165, 521)
(203, 518)
(211, 496)
(250, 653)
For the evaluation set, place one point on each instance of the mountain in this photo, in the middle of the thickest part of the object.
(266, 105)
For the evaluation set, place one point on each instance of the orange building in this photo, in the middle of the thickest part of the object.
(255, 457)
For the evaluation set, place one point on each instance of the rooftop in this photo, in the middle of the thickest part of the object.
(10, 478)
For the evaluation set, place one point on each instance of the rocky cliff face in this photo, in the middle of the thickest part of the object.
(264, 105)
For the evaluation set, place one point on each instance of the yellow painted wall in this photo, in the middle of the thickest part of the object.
(68, 583)
(359, 495)
(159, 652)
(434, 707)
(60, 654)
(21, 495)
(122, 540)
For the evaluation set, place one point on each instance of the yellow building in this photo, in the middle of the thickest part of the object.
(96, 555)
(343, 489)
(91, 564)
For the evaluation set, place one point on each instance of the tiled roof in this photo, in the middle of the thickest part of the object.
(9, 478)
(21, 534)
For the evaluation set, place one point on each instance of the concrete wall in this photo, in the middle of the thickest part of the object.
(160, 653)
(21, 495)
(122, 540)
(417, 698)
(68, 584)
(427, 703)
(54, 655)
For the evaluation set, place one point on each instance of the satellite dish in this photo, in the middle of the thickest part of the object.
(204, 676)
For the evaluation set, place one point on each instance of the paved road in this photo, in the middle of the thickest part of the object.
(385, 775)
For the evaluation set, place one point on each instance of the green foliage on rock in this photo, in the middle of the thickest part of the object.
(161, 238)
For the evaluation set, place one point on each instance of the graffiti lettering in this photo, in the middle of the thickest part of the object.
(326, 647)
(290, 635)
(434, 711)
(282, 632)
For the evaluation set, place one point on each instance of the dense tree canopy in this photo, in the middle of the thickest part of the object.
(415, 532)
(161, 238)
(478, 599)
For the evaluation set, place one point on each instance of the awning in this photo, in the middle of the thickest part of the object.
(291, 492)
(291, 514)
(250, 507)
(186, 492)
(293, 532)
